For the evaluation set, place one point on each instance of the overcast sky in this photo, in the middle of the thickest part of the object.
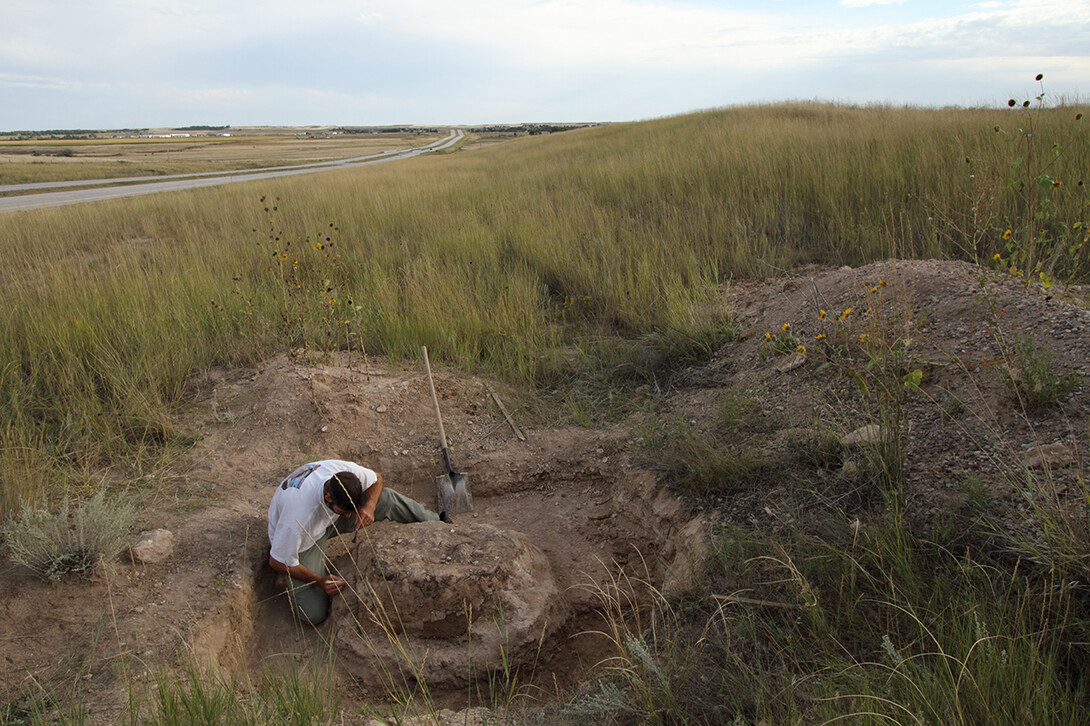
(151, 63)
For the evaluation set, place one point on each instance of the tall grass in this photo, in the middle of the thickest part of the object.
(829, 624)
(511, 258)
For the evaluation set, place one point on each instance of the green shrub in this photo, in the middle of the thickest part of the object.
(56, 542)
(1033, 378)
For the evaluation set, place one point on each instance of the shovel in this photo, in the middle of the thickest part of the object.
(453, 487)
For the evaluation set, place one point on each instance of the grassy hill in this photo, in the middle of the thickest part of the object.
(611, 239)
(582, 267)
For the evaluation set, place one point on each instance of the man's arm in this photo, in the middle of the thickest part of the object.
(370, 501)
(331, 584)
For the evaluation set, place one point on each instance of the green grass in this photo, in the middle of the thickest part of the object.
(698, 465)
(196, 695)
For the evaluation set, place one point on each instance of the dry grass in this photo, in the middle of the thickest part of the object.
(612, 242)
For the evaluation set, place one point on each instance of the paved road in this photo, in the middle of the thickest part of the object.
(151, 185)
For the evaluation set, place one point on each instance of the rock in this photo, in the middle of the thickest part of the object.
(473, 598)
(790, 363)
(475, 716)
(869, 434)
(683, 573)
(152, 547)
(1056, 455)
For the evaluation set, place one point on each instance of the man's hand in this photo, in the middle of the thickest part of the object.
(371, 495)
(331, 584)
(364, 518)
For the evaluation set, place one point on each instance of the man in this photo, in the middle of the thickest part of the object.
(318, 501)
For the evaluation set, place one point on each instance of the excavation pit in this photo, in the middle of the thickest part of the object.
(559, 519)
(514, 588)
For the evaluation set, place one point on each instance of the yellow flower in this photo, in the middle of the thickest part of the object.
(846, 313)
(801, 350)
(1057, 183)
(768, 336)
(821, 315)
(1007, 234)
(867, 311)
(995, 257)
(283, 257)
(881, 282)
(874, 289)
(819, 336)
(863, 338)
(785, 326)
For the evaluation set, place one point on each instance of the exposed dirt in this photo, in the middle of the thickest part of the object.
(576, 494)
(571, 492)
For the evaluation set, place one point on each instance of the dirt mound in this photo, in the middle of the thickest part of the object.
(970, 428)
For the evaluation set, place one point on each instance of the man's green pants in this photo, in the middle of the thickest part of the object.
(309, 602)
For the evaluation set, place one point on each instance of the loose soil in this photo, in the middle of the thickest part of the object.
(585, 498)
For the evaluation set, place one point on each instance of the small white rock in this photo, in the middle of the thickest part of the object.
(153, 547)
(869, 434)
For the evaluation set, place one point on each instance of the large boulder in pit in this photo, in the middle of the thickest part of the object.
(445, 603)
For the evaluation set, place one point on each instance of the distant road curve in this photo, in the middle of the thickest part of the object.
(175, 182)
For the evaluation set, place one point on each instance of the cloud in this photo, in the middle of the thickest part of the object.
(351, 61)
(371, 18)
(214, 97)
(34, 82)
(865, 3)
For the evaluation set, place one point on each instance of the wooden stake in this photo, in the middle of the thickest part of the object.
(507, 416)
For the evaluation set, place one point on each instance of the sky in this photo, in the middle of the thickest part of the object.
(107, 64)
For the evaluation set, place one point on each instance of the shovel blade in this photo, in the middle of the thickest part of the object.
(454, 495)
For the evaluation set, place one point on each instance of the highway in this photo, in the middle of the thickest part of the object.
(64, 192)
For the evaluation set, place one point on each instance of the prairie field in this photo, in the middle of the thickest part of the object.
(590, 273)
(25, 161)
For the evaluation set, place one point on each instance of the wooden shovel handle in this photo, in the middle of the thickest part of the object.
(435, 400)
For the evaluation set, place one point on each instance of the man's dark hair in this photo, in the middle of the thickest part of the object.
(346, 491)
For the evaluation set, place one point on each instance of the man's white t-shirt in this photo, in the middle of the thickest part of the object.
(298, 515)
